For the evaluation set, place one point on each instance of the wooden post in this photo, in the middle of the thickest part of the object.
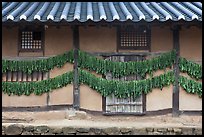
(104, 104)
(76, 95)
(104, 98)
(176, 46)
(48, 94)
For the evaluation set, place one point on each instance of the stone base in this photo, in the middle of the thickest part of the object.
(18, 129)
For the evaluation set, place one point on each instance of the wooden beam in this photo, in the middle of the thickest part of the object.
(123, 113)
(127, 53)
(76, 94)
(176, 46)
(103, 22)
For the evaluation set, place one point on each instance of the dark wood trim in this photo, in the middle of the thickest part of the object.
(30, 50)
(16, 74)
(169, 110)
(150, 38)
(42, 76)
(37, 76)
(103, 98)
(104, 104)
(11, 76)
(159, 112)
(76, 88)
(25, 58)
(36, 108)
(47, 108)
(150, 53)
(93, 112)
(43, 40)
(175, 98)
(66, 106)
(31, 76)
(21, 76)
(133, 48)
(117, 38)
(26, 77)
(191, 112)
(107, 54)
(19, 41)
(48, 94)
(123, 113)
(121, 104)
(104, 23)
(144, 103)
(6, 75)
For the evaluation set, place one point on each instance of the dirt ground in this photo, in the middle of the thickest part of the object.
(82, 119)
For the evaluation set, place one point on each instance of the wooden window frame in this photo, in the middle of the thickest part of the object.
(124, 113)
(33, 29)
(28, 77)
(148, 36)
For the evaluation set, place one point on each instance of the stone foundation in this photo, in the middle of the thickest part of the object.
(18, 129)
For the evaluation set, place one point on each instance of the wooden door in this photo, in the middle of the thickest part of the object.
(127, 105)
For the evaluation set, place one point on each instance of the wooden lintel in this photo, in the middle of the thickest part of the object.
(127, 53)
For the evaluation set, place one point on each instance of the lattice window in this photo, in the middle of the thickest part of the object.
(31, 40)
(23, 77)
(114, 105)
(130, 37)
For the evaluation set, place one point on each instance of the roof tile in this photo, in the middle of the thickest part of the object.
(97, 11)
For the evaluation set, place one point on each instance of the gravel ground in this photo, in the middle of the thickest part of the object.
(64, 118)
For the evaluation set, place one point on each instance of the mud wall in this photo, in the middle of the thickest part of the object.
(161, 40)
(191, 49)
(57, 41)
(103, 39)
(94, 39)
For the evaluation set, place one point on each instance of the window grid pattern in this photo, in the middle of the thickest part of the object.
(31, 40)
(134, 38)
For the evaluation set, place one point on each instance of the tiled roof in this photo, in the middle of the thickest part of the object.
(97, 11)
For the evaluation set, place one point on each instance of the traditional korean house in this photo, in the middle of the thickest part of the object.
(137, 58)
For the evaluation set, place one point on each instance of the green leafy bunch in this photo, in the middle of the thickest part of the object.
(37, 87)
(194, 70)
(92, 63)
(125, 89)
(121, 89)
(119, 69)
(190, 86)
(43, 65)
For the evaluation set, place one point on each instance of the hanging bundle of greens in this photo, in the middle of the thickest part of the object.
(37, 87)
(119, 69)
(190, 86)
(121, 89)
(92, 63)
(194, 70)
(124, 89)
(43, 65)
